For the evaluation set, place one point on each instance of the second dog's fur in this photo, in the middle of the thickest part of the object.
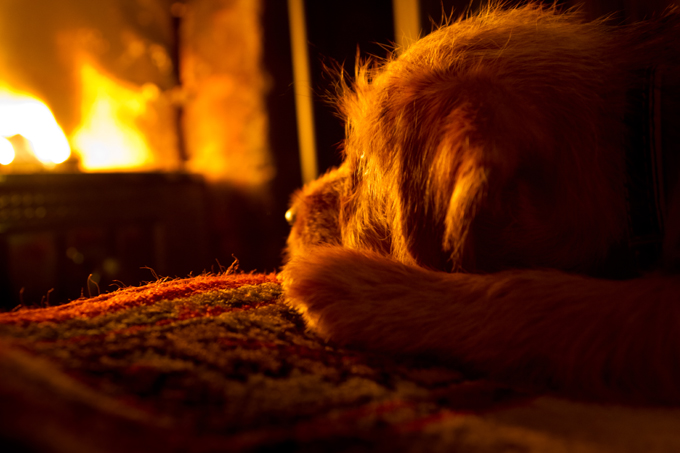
(483, 191)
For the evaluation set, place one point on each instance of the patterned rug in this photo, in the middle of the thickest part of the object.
(220, 363)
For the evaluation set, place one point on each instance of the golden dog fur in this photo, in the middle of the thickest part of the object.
(482, 192)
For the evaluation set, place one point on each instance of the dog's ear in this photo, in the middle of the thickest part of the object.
(467, 198)
(445, 183)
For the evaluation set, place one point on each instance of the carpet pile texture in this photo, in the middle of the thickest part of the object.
(220, 363)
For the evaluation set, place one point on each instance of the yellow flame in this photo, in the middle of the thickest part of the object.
(6, 151)
(107, 138)
(24, 115)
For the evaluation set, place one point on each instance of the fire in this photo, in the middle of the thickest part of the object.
(118, 120)
(6, 151)
(107, 138)
(24, 115)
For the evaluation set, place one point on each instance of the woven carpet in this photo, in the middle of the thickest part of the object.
(220, 363)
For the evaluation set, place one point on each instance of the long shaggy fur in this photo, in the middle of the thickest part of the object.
(483, 188)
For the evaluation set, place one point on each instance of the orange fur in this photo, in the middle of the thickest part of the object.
(488, 150)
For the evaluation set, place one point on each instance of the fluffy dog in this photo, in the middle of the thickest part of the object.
(483, 197)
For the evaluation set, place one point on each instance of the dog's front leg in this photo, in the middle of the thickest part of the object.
(542, 329)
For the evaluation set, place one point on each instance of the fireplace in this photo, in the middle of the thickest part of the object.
(133, 144)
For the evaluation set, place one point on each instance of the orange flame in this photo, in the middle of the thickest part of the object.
(21, 114)
(107, 138)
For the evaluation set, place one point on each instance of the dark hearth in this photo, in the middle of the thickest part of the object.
(66, 234)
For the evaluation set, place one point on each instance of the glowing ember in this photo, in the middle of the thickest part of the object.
(107, 138)
(27, 116)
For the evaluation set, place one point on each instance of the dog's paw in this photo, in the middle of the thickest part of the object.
(358, 298)
(325, 287)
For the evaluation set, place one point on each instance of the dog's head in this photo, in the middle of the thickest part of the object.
(489, 144)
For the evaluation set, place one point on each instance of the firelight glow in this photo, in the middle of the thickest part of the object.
(107, 138)
(24, 115)
(6, 151)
